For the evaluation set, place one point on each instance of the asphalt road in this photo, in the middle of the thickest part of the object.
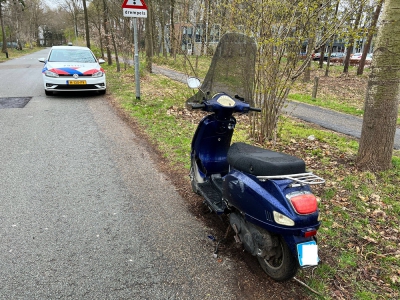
(84, 214)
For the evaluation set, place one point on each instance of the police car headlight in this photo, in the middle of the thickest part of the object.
(97, 74)
(50, 74)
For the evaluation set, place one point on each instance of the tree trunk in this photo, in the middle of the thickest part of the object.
(383, 93)
(149, 37)
(115, 48)
(153, 26)
(351, 40)
(328, 62)
(172, 29)
(163, 44)
(86, 24)
(76, 24)
(321, 58)
(4, 48)
(107, 38)
(310, 49)
(101, 42)
(371, 32)
(204, 27)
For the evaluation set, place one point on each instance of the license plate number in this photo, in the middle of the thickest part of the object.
(76, 82)
(308, 254)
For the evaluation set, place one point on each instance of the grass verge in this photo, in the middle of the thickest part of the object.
(13, 53)
(360, 232)
(188, 64)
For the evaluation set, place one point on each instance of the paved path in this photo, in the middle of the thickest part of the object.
(329, 119)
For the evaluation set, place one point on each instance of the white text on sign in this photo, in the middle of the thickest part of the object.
(135, 13)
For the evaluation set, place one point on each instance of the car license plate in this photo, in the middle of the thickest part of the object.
(76, 82)
(308, 254)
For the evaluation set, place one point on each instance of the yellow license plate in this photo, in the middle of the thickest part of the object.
(76, 82)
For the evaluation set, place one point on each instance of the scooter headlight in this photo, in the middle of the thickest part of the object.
(282, 219)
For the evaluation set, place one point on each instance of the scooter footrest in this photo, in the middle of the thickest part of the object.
(212, 196)
(217, 181)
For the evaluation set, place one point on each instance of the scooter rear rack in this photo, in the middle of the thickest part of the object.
(299, 179)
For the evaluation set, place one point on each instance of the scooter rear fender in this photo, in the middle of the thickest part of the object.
(258, 200)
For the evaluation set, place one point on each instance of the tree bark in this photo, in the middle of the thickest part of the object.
(172, 29)
(371, 33)
(4, 47)
(149, 37)
(328, 62)
(351, 40)
(382, 99)
(86, 24)
(115, 48)
(321, 58)
(107, 38)
(310, 50)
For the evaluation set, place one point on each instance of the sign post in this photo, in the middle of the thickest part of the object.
(135, 9)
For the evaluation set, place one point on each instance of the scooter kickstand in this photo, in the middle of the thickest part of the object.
(237, 238)
(215, 254)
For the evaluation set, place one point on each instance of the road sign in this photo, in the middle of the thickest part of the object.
(135, 13)
(138, 4)
(134, 8)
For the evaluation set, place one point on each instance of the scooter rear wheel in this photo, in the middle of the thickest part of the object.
(282, 266)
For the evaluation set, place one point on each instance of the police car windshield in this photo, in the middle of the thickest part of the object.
(71, 55)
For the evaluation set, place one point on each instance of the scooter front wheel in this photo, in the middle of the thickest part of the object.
(280, 266)
(193, 182)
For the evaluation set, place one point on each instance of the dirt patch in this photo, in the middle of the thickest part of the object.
(348, 89)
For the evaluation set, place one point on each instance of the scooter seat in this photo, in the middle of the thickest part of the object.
(262, 162)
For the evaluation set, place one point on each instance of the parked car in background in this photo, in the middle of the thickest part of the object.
(316, 56)
(356, 57)
(337, 57)
(72, 68)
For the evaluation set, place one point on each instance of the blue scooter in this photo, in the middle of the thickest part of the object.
(266, 194)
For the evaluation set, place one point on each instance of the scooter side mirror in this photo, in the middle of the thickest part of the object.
(193, 82)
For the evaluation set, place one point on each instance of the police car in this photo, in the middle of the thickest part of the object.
(72, 68)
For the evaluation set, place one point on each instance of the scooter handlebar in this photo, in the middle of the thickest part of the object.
(198, 106)
(250, 108)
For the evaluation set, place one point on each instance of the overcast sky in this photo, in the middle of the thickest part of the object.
(52, 3)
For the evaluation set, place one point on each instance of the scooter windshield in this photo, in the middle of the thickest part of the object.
(232, 68)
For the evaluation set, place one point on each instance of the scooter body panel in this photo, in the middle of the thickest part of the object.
(258, 200)
(211, 143)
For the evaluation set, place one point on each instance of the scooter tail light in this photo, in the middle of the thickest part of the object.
(310, 233)
(304, 204)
